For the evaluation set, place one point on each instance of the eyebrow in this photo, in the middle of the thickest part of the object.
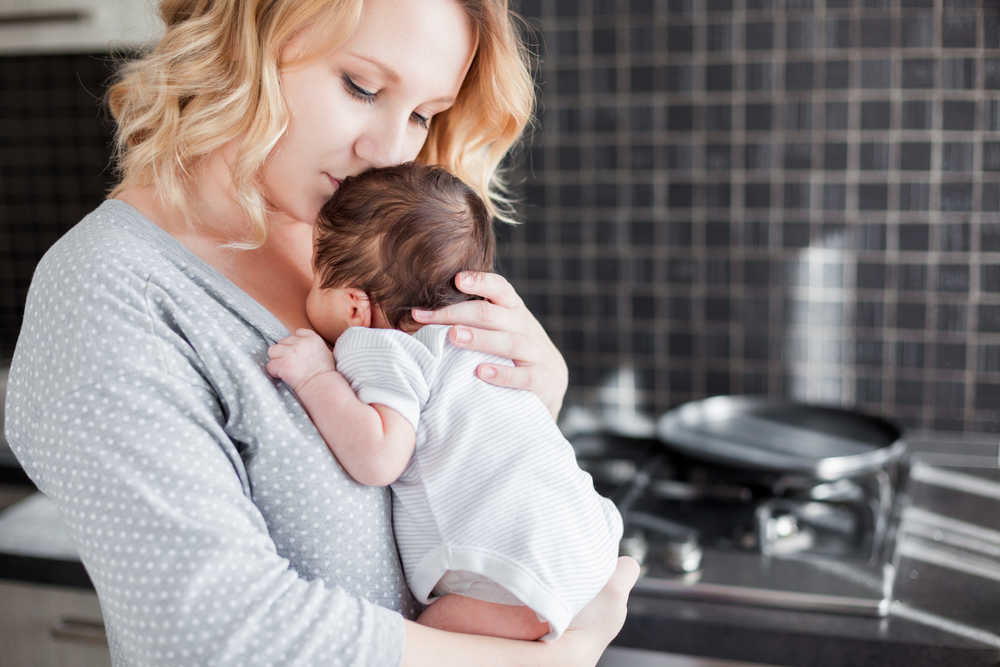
(392, 75)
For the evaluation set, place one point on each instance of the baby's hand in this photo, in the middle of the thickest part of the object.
(299, 358)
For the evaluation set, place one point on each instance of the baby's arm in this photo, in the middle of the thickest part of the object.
(373, 442)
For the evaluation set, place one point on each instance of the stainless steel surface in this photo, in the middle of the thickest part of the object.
(617, 656)
(764, 434)
(789, 583)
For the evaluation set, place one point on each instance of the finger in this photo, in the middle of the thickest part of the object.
(490, 286)
(273, 369)
(522, 377)
(277, 351)
(481, 314)
(500, 343)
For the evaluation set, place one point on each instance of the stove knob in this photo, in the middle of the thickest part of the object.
(634, 544)
(682, 556)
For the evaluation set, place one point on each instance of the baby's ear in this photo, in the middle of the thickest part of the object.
(361, 307)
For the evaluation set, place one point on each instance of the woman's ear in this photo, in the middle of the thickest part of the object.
(361, 307)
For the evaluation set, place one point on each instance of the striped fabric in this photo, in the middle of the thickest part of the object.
(493, 488)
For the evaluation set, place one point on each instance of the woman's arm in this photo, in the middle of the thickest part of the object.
(373, 442)
(503, 325)
(580, 646)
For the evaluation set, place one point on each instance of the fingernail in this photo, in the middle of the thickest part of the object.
(463, 335)
(487, 372)
(467, 280)
(423, 314)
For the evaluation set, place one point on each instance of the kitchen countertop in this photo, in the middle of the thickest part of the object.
(945, 612)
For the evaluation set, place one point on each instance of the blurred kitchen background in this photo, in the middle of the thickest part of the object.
(779, 197)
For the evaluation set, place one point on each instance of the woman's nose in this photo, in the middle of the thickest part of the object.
(383, 144)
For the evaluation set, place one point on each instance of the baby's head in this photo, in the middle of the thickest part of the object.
(391, 240)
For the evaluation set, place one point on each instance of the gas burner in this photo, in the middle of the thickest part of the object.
(717, 532)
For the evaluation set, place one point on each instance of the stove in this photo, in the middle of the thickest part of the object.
(724, 534)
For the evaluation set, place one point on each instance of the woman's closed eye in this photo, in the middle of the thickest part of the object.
(370, 97)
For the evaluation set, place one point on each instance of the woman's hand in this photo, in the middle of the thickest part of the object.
(503, 326)
(581, 645)
(591, 630)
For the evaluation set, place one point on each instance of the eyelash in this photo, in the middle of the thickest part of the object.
(367, 97)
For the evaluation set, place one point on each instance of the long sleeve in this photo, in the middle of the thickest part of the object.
(215, 525)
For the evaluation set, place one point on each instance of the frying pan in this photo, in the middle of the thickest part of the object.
(780, 436)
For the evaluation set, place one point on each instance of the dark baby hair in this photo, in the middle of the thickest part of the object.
(401, 234)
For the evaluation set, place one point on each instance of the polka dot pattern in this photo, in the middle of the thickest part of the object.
(217, 527)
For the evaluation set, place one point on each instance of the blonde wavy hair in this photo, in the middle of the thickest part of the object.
(214, 77)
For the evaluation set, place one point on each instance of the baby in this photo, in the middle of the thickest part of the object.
(499, 530)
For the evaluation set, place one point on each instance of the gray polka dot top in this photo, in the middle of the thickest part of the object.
(214, 522)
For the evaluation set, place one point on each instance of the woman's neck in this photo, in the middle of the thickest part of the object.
(278, 275)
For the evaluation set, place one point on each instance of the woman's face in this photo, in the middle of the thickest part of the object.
(368, 103)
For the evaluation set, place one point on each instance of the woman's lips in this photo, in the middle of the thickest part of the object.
(336, 182)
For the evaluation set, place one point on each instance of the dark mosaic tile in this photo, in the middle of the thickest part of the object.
(958, 73)
(958, 31)
(917, 31)
(911, 316)
(914, 196)
(837, 115)
(953, 278)
(952, 318)
(911, 277)
(718, 77)
(987, 358)
(679, 78)
(838, 75)
(956, 156)
(991, 73)
(718, 117)
(918, 73)
(834, 196)
(759, 77)
(989, 318)
(876, 33)
(910, 354)
(873, 197)
(799, 75)
(956, 196)
(798, 115)
(835, 156)
(991, 197)
(838, 33)
(719, 37)
(757, 195)
(914, 237)
(989, 278)
(870, 275)
(680, 38)
(759, 36)
(991, 156)
(959, 115)
(874, 156)
(918, 115)
(758, 117)
(799, 34)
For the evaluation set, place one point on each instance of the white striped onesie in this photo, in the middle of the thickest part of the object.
(493, 488)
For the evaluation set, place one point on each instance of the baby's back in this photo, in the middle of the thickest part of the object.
(493, 487)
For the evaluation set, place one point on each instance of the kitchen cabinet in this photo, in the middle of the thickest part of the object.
(75, 26)
(50, 626)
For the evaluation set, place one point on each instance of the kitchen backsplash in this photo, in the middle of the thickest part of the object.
(781, 197)
(54, 154)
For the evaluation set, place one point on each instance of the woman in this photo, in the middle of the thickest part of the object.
(214, 523)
